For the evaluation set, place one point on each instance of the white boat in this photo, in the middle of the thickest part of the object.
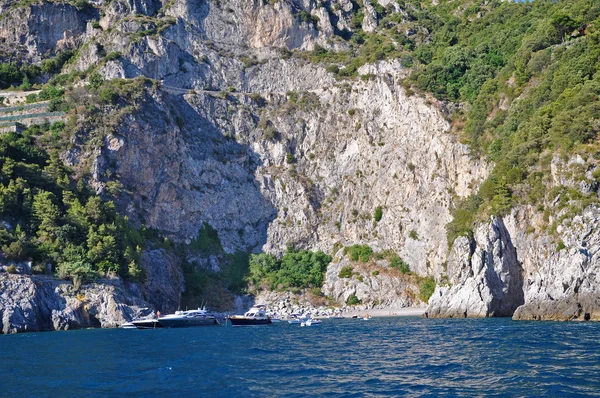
(311, 322)
(128, 325)
(181, 319)
(296, 319)
(256, 315)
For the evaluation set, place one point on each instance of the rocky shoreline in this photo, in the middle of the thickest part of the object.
(505, 271)
(42, 303)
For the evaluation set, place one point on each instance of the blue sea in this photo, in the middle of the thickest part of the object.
(402, 356)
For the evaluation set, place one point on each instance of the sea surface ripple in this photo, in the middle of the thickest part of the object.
(402, 356)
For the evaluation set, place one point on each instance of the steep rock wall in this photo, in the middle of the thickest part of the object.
(552, 280)
(562, 272)
(35, 32)
(485, 276)
(309, 168)
(38, 303)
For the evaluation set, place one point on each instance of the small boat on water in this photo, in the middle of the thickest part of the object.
(297, 318)
(311, 322)
(183, 319)
(256, 315)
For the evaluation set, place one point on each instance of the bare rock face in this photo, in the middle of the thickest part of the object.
(548, 281)
(562, 280)
(165, 282)
(383, 288)
(267, 168)
(370, 17)
(38, 31)
(36, 303)
(487, 276)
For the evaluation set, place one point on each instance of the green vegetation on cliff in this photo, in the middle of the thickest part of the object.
(48, 217)
(529, 76)
(25, 75)
(526, 74)
(296, 269)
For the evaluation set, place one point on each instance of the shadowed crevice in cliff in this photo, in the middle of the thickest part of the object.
(182, 167)
(487, 278)
(504, 275)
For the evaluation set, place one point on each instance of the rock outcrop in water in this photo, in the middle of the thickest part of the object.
(522, 274)
(36, 303)
(485, 277)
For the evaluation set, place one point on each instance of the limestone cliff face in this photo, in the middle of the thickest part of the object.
(539, 278)
(561, 278)
(33, 33)
(485, 275)
(270, 150)
(307, 168)
(37, 303)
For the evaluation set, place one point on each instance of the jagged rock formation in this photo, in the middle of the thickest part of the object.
(39, 303)
(485, 275)
(561, 277)
(32, 33)
(538, 278)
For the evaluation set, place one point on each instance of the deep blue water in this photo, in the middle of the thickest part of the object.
(349, 358)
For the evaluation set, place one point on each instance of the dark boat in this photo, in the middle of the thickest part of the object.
(184, 319)
(142, 324)
(147, 324)
(256, 315)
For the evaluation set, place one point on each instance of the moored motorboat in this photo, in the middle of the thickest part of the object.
(311, 322)
(147, 324)
(297, 318)
(183, 319)
(256, 315)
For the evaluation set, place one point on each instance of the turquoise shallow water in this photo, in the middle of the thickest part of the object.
(345, 358)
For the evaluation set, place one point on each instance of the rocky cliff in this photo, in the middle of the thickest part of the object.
(37, 303)
(507, 271)
(484, 274)
(242, 132)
